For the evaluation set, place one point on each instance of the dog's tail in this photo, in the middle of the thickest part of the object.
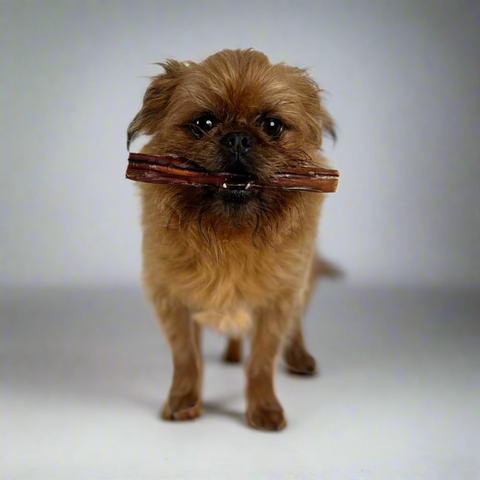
(323, 268)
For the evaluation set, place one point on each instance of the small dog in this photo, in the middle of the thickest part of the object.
(239, 261)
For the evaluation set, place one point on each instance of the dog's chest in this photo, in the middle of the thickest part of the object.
(235, 322)
(229, 282)
(221, 293)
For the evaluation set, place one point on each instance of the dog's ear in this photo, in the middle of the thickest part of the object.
(324, 120)
(319, 119)
(156, 100)
(328, 124)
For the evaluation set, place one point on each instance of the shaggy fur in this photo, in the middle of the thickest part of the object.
(239, 268)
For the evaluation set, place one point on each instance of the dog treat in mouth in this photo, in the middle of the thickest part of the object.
(174, 170)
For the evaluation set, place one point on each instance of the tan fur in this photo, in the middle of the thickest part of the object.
(241, 271)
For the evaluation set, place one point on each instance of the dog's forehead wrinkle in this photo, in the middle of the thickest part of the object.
(244, 104)
(237, 82)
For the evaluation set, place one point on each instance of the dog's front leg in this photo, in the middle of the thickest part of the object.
(184, 399)
(264, 411)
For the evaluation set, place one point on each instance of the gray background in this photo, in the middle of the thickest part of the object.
(402, 81)
(83, 367)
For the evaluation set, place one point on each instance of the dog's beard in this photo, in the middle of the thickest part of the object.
(213, 215)
(233, 208)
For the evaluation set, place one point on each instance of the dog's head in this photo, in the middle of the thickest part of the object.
(234, 112)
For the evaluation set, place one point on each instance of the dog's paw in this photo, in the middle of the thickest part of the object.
(263, 418)
(299, 361)
(186, 407)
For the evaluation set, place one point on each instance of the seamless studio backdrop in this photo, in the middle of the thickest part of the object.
(402, 81)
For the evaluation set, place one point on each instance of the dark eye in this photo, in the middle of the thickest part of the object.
(273, 127)
(201, 125)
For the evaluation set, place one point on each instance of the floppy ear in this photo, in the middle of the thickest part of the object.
(320, 113)
(319, 120)
(328, 124)
(156, 100)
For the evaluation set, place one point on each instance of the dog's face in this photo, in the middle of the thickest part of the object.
(234, 112)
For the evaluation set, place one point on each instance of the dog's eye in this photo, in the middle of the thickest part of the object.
(201, 125)
(273, 127)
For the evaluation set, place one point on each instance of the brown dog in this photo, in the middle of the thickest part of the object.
(236, 260)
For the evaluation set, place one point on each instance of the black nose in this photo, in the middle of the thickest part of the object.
(237, 142)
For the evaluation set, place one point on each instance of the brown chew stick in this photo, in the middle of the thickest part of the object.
(173, 170)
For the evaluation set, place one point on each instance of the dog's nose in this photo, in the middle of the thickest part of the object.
(237, 142)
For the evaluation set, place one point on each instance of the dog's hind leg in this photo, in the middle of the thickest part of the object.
(233, 352)
(295, 353)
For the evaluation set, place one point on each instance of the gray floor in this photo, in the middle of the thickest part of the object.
(84, 373)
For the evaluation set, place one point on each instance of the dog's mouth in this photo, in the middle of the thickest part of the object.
(239, 193)
(236, 186)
